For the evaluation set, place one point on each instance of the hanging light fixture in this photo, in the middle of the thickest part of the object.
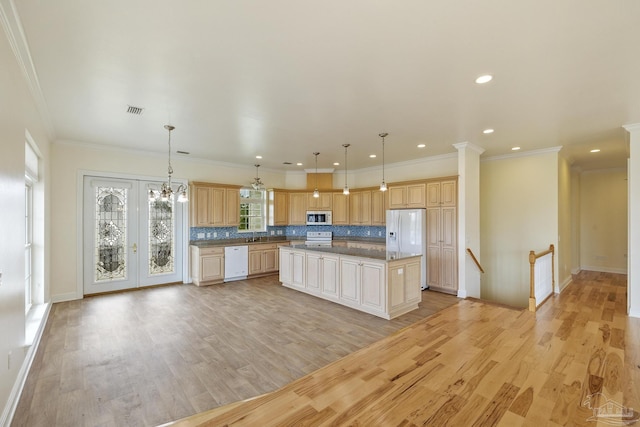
(316, 193)
(383, 185)
(257, 183)
(166, 191)
(346, 187)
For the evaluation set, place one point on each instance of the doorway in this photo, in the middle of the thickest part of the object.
(129, 241)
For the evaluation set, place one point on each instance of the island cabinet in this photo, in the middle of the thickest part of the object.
(322, 274)
(383, 284)
(214, 205)
(207, 265)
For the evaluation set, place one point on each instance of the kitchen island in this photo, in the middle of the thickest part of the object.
(385, 284)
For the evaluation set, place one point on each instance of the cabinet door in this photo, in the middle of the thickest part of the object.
(313, 272)
(434, 246)
(211, 268)
(255, 262)
(322, 203)
(378, 211)
(355, 199)
(298, 274)
(200, 209)
(449, 268)
(340, 209)
(349, 281)
(232, 207)
(397, 289)
(298, 208)
(270, 260)
(286, 266)
(330, 276)
(372, 284)
(433, 194)
(365, 208)
(397, 197)
(412, 282)
(448, 193)
(280, 208)
(415, 195)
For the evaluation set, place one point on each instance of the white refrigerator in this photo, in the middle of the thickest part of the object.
(407, 232)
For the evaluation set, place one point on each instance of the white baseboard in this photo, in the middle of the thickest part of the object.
(604, 269)
(576, 270)
(16, 391)
(564, 285)
(634, 313)
(69, 296)
(462, 293)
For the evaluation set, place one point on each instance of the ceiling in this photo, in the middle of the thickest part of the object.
(286, 78)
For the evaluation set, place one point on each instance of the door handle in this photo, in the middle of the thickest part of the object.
(135, 248)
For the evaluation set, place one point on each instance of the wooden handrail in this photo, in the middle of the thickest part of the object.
(532, 261)
(473, 257)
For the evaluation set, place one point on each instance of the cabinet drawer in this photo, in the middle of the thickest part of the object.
(262, 247)
(211, 251)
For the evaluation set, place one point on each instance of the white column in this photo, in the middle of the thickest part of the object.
(633, 253)
(468, 218)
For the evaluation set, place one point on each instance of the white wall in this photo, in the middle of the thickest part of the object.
(518, 213)
(603, 220)
(18, 113)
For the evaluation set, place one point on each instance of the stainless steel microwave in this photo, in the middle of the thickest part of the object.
(318, 217)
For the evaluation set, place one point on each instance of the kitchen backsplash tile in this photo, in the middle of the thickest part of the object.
(291, 231)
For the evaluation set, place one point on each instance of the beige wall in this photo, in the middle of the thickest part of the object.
(518, 213)
(18, 114)
(575, 221)
(603, 220)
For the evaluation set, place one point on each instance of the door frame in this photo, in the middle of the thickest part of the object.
(80, 176)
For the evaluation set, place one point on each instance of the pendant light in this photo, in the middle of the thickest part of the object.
(346, 187)
(166, 190)
(316, 193)
(257, 182)
(383, 185)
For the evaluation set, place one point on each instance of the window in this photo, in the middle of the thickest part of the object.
(253, 210)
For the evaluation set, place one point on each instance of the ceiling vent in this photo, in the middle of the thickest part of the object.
(134, 110)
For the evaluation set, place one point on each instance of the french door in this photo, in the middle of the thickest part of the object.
(129, 241)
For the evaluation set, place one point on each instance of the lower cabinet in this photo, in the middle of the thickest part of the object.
(263, 259)
(383, 288)
(207, 265)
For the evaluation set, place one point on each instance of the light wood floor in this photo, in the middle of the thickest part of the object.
(475, 364)
(151, 356)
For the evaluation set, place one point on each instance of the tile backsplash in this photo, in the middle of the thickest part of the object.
(291, 231)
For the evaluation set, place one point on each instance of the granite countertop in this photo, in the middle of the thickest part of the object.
(361, 253)
(277, 239)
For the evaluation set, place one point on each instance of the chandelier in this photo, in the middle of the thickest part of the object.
(383, 185)
(257, 182)
(166, 190)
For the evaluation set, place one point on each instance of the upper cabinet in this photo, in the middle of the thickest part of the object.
(378, 208)
(441, 193)
(214, 205)
(278, 207)
(407, 196)
(322, 203)
(340, 209)
(360, 207)
(298, 208)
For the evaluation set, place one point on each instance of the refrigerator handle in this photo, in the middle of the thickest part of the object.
(399, 228)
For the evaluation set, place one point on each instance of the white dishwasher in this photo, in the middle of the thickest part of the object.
(236, 263)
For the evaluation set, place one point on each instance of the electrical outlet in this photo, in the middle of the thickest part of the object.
(279, 232)
(379, 233)
(227, 234)
(368, 233)
(200, 235)
(348, 231)
(208, 235)
(294, 231)
(215, 234)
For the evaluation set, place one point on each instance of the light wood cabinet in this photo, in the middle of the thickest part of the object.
(340, 213)
(322, 203)
(442, 235)
(402, 289)
(214, 206)
(360, 208)
(207, 265)
(407, 196)
(263, 259)
(278, 207)
(298, 208)
(378, 208)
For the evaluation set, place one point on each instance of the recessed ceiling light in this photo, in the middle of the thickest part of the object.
(336, 164)
(372, 156)
(484, 79)
(421, 145)
(515, 148)
(595, 150)
(487, 131)
(258, 157)
(298, 164)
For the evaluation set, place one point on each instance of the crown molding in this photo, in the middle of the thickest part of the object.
(462, 145)
(10, 21)
(524, 154)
